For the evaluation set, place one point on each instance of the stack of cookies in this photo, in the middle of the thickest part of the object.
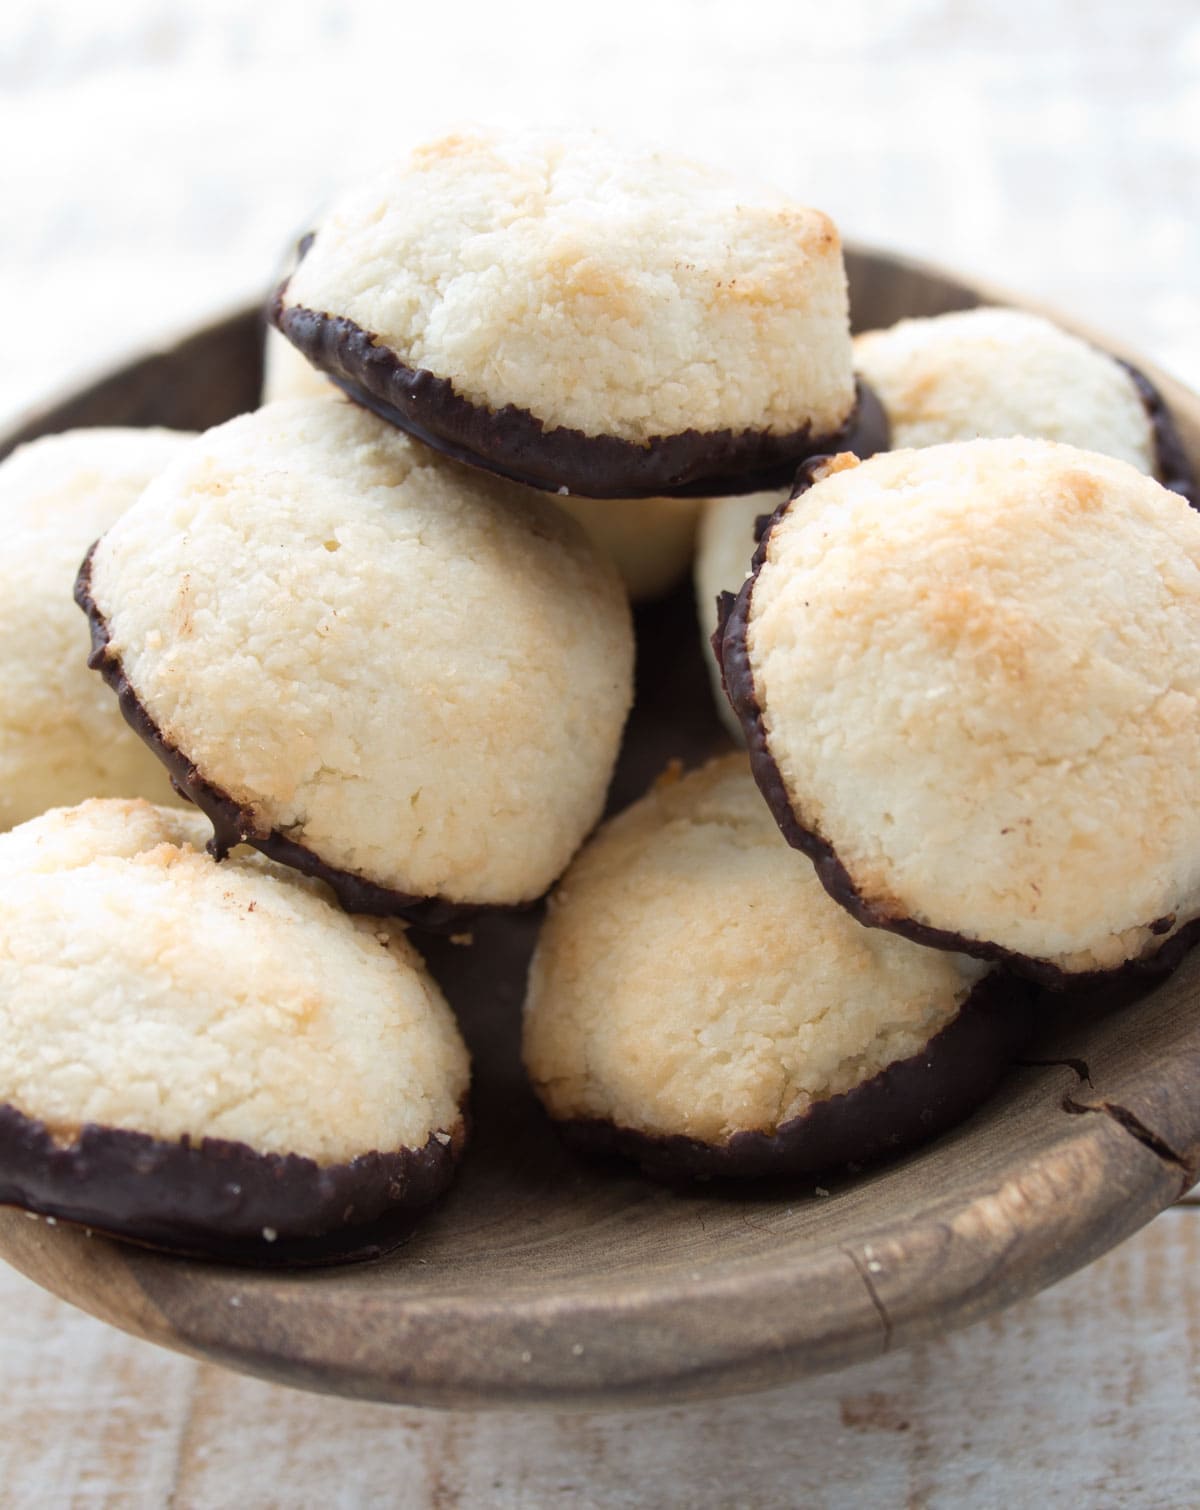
(377, 633)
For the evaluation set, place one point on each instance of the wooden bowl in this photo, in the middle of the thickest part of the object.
(541, 1280)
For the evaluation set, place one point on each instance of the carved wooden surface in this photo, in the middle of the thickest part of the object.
(1086, 1395)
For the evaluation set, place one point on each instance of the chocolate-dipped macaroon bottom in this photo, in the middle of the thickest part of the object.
(1172, 465)
(513, 443)
(697, 1002)
(903, 1106)
(234, 823)
(217, 1199)
(297, 1103)
(1170, 941)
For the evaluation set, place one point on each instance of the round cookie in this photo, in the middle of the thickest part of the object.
(581, 317)
(297, 1103)
(393, 672)
(725, 544)
(286, 374)
(1003, 372)
(648, 540)
(697, 1002)
(61, 738)
(970, 682)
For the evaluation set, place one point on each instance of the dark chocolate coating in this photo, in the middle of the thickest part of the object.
(513, 443)
(1172, 465)
(906, 1104)
(870, 430)
(214, 1198)
(737, 677)
(234, 824)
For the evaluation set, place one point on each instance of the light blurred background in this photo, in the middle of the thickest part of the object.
(159, 155)
(157, 158)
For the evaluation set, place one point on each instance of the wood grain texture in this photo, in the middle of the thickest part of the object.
(1084, 1395)
(543, 1281)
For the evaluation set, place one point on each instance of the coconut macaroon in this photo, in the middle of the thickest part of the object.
(648, 540)
(297, 1103)
(698, 1003)
(969, 678)
(725, 545)
(61, 737)
(577, 316)
(1003, 372)
(369, 662)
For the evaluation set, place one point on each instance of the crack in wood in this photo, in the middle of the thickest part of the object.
(865, 1275)
(1136, 1128)
(1079, 1066)
(1125, 1119)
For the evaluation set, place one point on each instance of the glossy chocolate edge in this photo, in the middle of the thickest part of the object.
(906, 1104)
(218, 1199)
(513, 443)
(1172, 465)
(737, 678)
(234, 824)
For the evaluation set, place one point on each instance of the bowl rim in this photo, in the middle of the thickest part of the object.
(735, 1325)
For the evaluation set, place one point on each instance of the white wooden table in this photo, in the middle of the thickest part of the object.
(158, 155)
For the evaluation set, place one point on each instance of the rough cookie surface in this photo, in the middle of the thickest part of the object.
(62, 738)
(724, 549)
(418, 673)
(1003, 372)
(617, 293)
(144, 987)
(694, 978)
(978, 667)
